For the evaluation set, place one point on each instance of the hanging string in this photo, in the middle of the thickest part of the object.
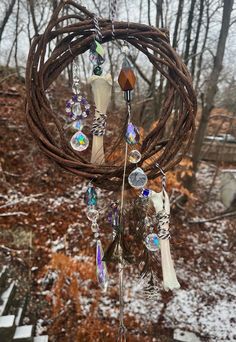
(122, 328)
(163, 181)
(97, 28)
(113, 10)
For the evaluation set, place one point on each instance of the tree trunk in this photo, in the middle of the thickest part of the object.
(6, 17)
(177, 22)
(189, 31)
(212, 83)
(199, 63)
(195, 45)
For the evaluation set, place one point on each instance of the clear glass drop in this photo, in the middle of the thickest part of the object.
(101, 267)
(76, 108)
(134, 156)
(152, 242)
(79, 141)
(137, 178)
(78, 125)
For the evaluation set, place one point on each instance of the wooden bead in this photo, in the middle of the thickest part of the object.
(127, 79)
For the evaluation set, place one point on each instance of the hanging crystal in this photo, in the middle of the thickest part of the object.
(91, 196)
(145, 193)
(79, 141)
(134, 156)
(137, 178)
(152, 242)
(78, 125)
(113, 215)
(101, 268)
(76, 108)
(92, 214)
(132, 134)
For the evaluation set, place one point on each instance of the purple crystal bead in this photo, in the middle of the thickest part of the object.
(75, 98)
(132, 134)
(101, 268)
(113, 215)
(68, 104)
(83, 101)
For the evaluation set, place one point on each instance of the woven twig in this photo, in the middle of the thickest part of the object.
(75, 39)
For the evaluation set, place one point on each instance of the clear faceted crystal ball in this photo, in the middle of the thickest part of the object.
(152, 242)
(134, 156)
(137, 178)
(79, 141)
(92, 214)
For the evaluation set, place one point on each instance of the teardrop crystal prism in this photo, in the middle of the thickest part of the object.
(79, 141)
(152, 242)
(78, 125)
(101, 267)
(132, 134)
(137, 178)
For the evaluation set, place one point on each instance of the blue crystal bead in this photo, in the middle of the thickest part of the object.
(145, 193)
(132, 134)
(101, 268)
(91, 196)
(152, 242)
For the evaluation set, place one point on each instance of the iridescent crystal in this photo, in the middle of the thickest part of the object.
(79, 141)
(137, 178)
(152, 242)
(134, 156)
(101, 268)
(78, 125)
(91, 196)
(132, 134)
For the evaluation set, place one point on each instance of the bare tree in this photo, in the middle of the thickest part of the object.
(189, 31)
(177, 22)
(6, 17)
(211, 88)
(195, 44)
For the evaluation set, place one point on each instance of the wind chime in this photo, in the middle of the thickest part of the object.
(84, 154)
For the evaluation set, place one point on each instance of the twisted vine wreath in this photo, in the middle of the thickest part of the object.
(75, 39)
